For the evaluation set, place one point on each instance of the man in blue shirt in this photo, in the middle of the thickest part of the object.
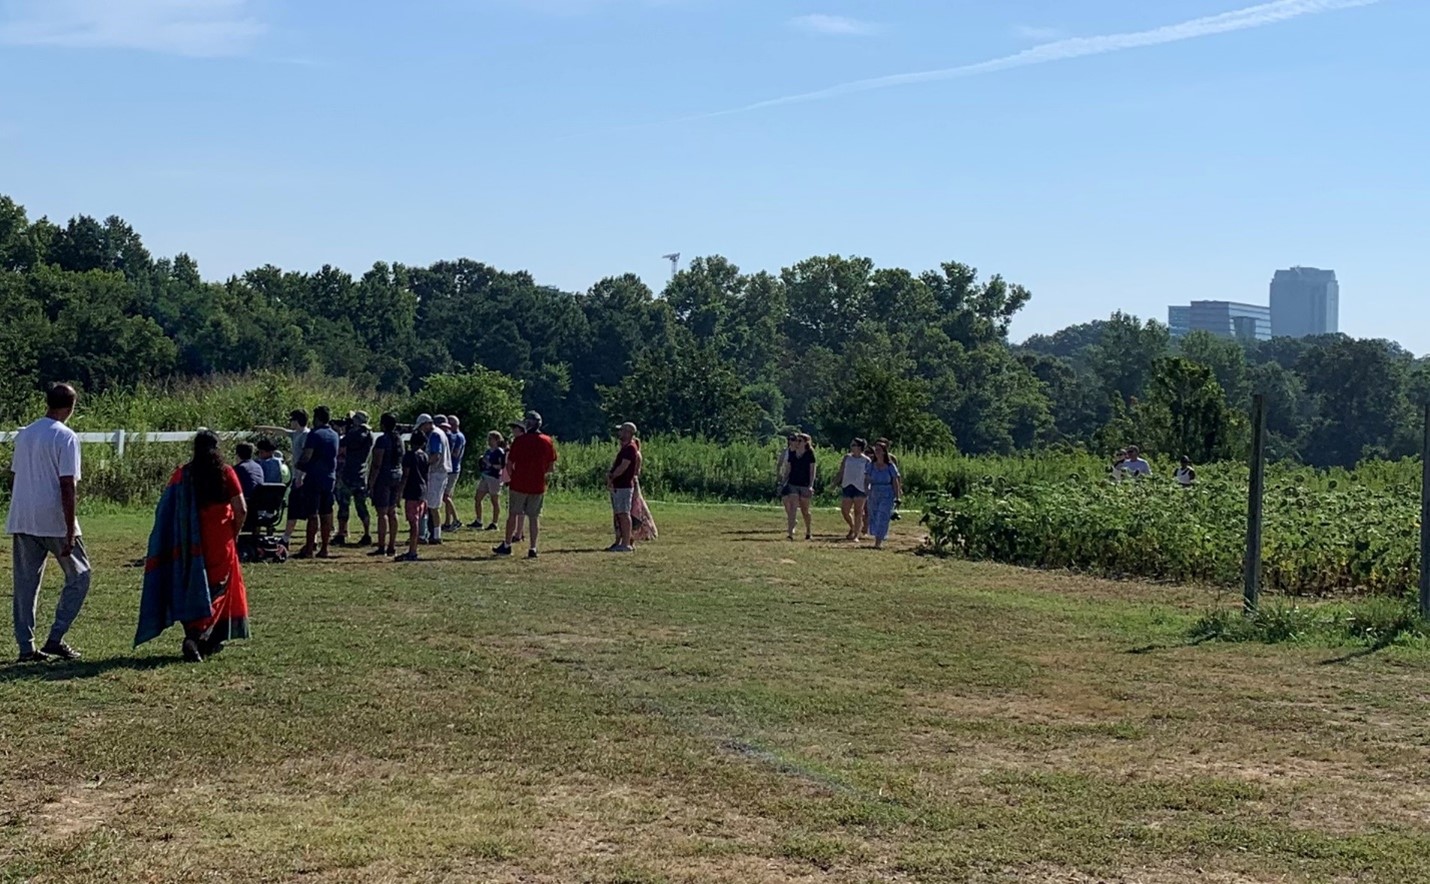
(250, 472)
(457, 441)
(271, 465)
(319, 466)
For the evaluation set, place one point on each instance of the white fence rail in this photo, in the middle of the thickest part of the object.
(120, 438)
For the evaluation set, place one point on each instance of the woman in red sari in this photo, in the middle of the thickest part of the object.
(222, 512)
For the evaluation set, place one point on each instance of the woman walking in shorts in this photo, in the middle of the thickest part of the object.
(489, 482)
(797, 483)
(854, 487)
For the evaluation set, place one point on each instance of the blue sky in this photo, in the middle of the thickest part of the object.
(582, 138)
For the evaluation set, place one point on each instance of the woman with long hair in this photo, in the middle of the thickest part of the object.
(854, 488)
(192, 575)
(797, 476)
(885, 490)
(642, 522)
(384, 479)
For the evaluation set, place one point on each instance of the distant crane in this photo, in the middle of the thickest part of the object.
(674, 259)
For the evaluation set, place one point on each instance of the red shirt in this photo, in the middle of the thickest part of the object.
(632, 456)
(530, 458)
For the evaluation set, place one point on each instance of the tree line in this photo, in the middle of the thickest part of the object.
(832, 344)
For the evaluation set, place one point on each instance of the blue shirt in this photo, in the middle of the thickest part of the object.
(250, 475)
(881, 477)
(459, 448)
(321, 450)
(272, 470)
(439, 452)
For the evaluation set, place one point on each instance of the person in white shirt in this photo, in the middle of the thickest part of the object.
(1185, 475)
(1134, 465)
(439, 464)
(42, 523)
(854, 487)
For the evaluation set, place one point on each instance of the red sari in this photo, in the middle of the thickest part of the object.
(218, 532)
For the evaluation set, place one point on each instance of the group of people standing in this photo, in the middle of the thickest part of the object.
(870, 487)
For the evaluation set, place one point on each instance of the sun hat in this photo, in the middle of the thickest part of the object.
(360, 418)
(422, 419)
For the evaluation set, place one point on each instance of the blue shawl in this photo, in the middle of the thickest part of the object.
(176, 587)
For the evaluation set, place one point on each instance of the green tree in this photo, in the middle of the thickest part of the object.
(878, 401)
(684, 389)
(482, 398)
(1185, 413)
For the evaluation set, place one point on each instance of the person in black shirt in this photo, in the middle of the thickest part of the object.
(384, 483)
(353, 452)
(797, 488)
(414, 490)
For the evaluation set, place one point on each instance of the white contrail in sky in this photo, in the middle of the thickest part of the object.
(1258, 16)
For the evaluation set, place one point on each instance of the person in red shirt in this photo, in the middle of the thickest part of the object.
(622, 482)
(530, 459)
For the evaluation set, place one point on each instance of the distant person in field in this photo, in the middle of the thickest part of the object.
(458, 442)
(854, 487)
(532, 457)
(888, 447)
(1186, 476)
(415, 478)
(439, 464)
(1134, 465)
(885, 490)
(42, 523)
(250, 471)
(1119, 464)
(621, 482)
(384, 478)
(298, 437)
(319, 465)
(202, 511)
(491, 469)
(797, 478)
(271, 464)
(352, 487)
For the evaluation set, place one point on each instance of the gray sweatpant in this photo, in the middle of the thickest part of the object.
(30, 555)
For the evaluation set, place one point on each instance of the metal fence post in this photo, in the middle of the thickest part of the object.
(119, 444)
(1252, 576)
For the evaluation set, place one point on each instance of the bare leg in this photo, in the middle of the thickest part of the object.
(623, 527)
(535, 522)
(804, 509)
(846, 509)
(327, 523)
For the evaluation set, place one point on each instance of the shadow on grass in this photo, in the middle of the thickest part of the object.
(70, 671)
(1191, 642)
(1358, 653)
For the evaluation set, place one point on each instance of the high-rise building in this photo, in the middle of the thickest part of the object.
(1228, 319)
(1305, 302)
(1179, 320)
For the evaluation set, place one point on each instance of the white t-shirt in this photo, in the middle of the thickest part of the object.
(44, 452)
(854, 471)
(439, 452)
(1185, 476)
(1137, 467)
(299, 440)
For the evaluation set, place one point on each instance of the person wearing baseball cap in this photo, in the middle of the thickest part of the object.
(352, 489)
(621, 480)
(457, 441)
(439, 465)
(531, 458)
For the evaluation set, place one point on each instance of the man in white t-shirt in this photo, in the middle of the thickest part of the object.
(42, 523)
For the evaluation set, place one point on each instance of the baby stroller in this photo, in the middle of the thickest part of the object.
(258, 542)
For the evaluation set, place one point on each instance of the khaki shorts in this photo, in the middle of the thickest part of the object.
(621, 499)
(525, 504)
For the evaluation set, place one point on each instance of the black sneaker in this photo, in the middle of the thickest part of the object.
(503, 550)
(33, 657)
(475, 525)
(531, 554)
(340, 540)
(366, 540)
(492, 526)
(191, 652)
(379, 552)
(60, 650)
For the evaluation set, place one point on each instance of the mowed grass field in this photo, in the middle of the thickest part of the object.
(720, 706)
